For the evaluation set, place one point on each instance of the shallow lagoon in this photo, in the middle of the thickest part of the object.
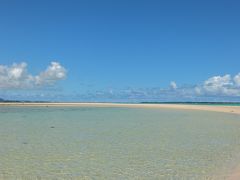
(116, 143)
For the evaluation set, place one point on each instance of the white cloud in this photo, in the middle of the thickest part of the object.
(237, 79)
(53, 73)
(16, 76)
(220, 85)
(173, 85)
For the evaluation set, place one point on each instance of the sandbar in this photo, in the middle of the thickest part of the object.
(215, 108)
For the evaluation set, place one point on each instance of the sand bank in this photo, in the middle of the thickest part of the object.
(226, 109)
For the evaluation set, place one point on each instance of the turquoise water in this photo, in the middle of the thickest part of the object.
(116, 143)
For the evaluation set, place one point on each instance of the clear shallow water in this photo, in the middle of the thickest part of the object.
(116, 143)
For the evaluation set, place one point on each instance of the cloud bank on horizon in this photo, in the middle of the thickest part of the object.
(16, 76)
(216, 88)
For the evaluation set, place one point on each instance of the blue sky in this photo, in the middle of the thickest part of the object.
(120, 50)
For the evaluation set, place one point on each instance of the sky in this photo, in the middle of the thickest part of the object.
(120, 51)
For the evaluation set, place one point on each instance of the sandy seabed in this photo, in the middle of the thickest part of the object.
(225, 109)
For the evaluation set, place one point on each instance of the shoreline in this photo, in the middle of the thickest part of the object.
(215, 108)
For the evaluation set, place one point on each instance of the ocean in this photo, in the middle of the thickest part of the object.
(117, 143)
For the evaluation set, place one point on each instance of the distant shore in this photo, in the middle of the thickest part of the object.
(215, 108)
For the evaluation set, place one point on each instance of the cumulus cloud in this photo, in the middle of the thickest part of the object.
(16, 76)
(221, 86)
(237, 80)
(53, 73)
(173, 85)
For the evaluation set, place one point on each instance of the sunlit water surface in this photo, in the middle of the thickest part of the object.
(116, 143)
